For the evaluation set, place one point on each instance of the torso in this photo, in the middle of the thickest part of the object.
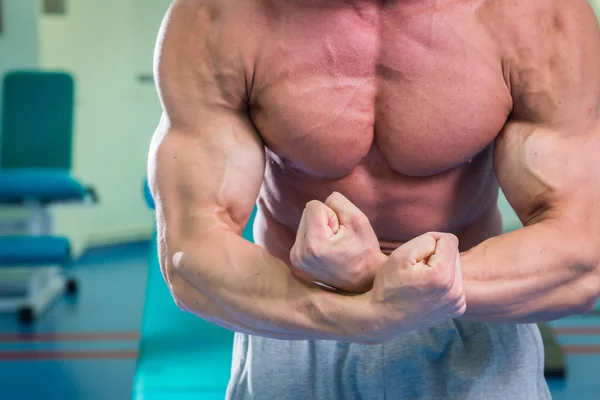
(396, 106)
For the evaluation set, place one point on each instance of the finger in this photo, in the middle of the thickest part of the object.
(332, 219)
(346, 211)
(416, 250)
(445, 252)
(439, 235)
(318, 218)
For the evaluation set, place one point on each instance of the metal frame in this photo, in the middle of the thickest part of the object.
(35, 287)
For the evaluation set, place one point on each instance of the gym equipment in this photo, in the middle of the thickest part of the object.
(181, 356)
(554, 356)
(35, 149)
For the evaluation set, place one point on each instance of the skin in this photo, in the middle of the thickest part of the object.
(416, 112)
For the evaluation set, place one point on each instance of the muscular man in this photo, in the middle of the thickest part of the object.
(374, 136)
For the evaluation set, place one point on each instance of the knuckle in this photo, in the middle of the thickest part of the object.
(441, 281)
(295, 257)
(357, 271)
(313, 203)
(399, 258)
(426, 243)
(312, 206)
(447, 285)
(445, 235)
(432, 235)
(452, 237)
(313, 248)
(358, 219)
(333, 197)
(397, 255)
(456, 293)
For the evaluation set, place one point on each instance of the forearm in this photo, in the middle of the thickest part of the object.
(535, 274)
(238, 285)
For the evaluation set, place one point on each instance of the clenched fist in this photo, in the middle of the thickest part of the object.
(420, 286)
(336, 245)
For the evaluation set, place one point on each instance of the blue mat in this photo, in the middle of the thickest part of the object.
(181, 355)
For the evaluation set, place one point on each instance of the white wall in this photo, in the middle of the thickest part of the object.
(19, 38)
(596, 6)
(19, 49)
(106, 45)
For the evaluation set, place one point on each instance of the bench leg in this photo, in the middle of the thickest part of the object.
(554, 364)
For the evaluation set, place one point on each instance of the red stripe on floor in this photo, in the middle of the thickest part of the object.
(132, 354)
(66, 355)
(573, 349)
(67, 337)
(577, 330)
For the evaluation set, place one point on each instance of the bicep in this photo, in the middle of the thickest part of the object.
(206, 176)
(206, 161)
(545, 172)
(545, 155)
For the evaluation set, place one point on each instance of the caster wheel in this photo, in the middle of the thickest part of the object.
(558, 373)
(26, 315)
(72, 287)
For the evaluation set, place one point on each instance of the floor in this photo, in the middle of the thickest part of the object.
(86, 349)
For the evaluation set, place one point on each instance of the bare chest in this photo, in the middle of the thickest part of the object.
(425, 89)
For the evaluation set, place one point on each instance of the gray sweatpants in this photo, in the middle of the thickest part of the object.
(459, 360)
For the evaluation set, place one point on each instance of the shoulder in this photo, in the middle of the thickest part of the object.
(534, 28)
(550, 54)
(534, 15)
(206, 46)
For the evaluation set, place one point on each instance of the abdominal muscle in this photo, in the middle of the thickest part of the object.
(462, 201)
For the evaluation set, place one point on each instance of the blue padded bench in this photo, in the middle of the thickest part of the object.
(38, 188)
(34, 250)
(40, 185)
(181, 356)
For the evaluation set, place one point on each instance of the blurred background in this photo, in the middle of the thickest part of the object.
(107, 47)
(93, 319)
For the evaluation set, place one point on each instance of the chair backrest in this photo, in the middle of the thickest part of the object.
(37, 120)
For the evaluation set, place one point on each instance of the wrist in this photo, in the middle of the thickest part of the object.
(352, 316)
(368, 325)
(383, 258)
(362, 282)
